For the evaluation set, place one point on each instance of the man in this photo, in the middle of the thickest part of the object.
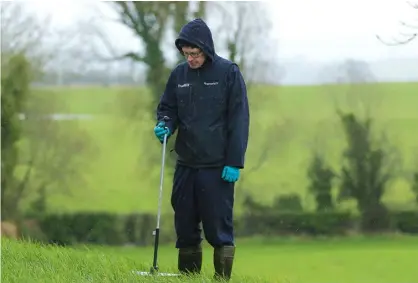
(206, 101)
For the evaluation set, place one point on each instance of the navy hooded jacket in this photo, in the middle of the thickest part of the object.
(207, 106)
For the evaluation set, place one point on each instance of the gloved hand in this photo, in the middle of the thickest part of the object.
(160, 130)
(230, 174)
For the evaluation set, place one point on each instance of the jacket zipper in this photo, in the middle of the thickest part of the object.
(192, 98)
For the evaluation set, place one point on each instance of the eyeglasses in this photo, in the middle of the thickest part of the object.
(193, 54)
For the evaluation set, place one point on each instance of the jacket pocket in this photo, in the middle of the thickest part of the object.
(184, 145)
(184, 102)
(211, 100)
(216, 142)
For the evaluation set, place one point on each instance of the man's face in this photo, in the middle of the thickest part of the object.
(194, 56)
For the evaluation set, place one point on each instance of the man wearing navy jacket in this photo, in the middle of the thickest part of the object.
(205, 100)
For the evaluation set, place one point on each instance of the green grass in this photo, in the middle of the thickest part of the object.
(290, 121)
(356, 260)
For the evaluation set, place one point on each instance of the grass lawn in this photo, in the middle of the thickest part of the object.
(289, 121)
(356, 260)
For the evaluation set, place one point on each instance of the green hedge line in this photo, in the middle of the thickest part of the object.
(99, 228)
(111, 229)
(302, 223)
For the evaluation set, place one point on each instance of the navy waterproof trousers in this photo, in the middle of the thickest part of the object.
(200, 195)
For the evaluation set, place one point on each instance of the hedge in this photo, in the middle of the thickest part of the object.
(302, 223)
(405, 221)
(136, 229)
(99, 228)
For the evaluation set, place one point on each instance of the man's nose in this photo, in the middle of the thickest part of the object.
(189, 58)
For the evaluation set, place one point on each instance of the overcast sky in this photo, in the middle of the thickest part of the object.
(321, 30)
(325, 29)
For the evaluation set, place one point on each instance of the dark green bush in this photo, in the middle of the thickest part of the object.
(101, 228)
(405, 221)
(320, 182)
(288, 202)
(300, 223)
(95, 228)
(112, 229)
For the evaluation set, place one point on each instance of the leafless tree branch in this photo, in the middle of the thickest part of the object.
(407, 37)
(246, 42)
(412, 4)
(396, 41)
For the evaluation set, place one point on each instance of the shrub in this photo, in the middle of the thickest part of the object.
(321, 176)
(288, 202)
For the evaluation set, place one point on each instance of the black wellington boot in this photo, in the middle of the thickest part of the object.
(190, 260)
(223, 259)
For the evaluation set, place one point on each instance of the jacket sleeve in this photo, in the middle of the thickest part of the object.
(238, 119)
(167, 105)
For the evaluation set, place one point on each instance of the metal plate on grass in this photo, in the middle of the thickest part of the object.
(145, 273)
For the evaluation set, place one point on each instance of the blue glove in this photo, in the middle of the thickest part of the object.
(230, 174)
(160, 130)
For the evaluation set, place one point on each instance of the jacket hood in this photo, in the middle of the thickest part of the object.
(197, 33)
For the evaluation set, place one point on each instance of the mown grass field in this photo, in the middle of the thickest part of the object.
(352, 260)
(289, 121)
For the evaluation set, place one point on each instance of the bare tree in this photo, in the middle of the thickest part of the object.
(246, 42)
(153, 23)
(70, 54)
(409, 32)
(21, 31)
(50, 49)
(150, 23)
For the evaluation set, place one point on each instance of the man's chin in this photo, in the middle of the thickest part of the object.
(193, 66)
